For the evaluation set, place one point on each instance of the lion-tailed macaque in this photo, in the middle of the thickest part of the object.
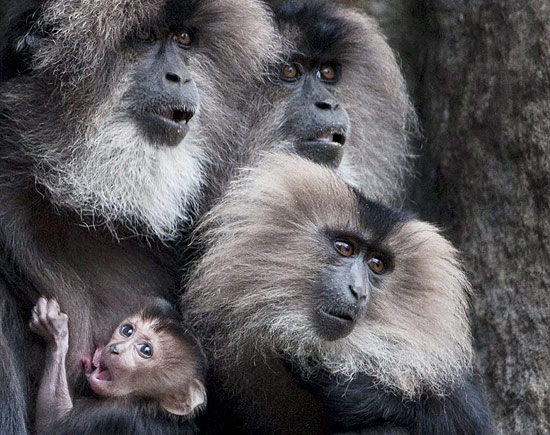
(323, 312)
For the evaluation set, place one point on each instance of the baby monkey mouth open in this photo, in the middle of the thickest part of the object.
(96, 369)
(102, 373)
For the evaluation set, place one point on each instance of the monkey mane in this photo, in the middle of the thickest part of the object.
(250, 295)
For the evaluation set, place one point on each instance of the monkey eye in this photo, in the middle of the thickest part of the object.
(376, 265)
(290, 72)
(146, 350)
(327, 72)
(127, 330)
(345, 249)
(184, 37)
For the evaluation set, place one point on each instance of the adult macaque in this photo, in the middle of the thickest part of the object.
(322, 312)
(152, 369)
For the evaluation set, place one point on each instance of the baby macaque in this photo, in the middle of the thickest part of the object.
(148, 379)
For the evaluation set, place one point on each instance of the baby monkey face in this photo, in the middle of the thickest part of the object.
(123, 366)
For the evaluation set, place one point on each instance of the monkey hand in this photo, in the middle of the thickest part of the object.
(50, 323)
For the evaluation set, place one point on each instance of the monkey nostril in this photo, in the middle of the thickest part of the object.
(114, 349)
(171, 77)
(358, 293)
(323, 105)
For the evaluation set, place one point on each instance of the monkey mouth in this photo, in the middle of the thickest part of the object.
(326, 147)
(97, 371)
(334, 324)
(178, 115)
(332, 138)
(338, 315)
(166, 125)
(102, 373)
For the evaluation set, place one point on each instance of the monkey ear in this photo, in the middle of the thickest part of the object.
(185, 402)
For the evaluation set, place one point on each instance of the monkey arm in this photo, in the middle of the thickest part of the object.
(360, 406)
(54, 399)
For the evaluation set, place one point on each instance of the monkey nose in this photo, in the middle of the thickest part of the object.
(359, 293)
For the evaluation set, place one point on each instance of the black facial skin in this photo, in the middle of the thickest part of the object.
(164, 96)
(346, 287)
(315, 118)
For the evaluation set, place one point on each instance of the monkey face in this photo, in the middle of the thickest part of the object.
(163, 97)
(120, 368)
(345, 289)
(316, 121)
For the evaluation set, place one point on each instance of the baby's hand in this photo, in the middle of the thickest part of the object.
(50, 323)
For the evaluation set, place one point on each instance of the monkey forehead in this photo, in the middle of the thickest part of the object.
(322, 31)
(77, 31)
(314, 29)
(292, 189)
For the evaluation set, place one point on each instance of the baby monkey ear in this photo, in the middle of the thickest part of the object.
(186, 401)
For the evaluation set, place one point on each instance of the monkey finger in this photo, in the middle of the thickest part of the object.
(42, 308)
(54, 305)
(53, 310)
(36, 326)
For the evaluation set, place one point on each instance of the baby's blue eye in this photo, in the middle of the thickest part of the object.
(146, 350)
(127, 330)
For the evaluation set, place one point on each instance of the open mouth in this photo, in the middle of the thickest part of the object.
(333, 138)
(326, 148)
(166, 125)
(178, 115)
(102, 373)
(96, 370)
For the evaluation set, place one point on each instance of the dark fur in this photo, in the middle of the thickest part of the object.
(99, 417)
(406, 365)
(57, 100)
(362, 403)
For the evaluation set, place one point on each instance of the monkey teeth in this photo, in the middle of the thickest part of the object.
(177, 115)
(326, 138)
(336, 139)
